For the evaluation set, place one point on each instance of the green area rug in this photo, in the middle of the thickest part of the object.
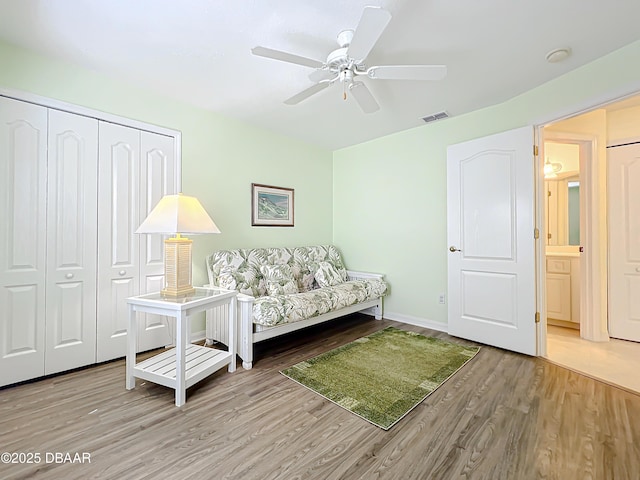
(383, 376)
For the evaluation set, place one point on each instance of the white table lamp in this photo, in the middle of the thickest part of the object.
(176, 215)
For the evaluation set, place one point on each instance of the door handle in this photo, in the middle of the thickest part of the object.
(69, 276)
(122, 273)
(454, 249)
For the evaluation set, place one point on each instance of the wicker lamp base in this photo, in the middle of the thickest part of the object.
(177, 267)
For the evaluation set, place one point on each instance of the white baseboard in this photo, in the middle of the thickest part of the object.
(198, 336)
(417, 321)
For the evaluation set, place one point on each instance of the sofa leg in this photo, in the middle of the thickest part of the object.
(377, 310)
(247, 365)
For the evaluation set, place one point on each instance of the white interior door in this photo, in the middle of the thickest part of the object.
(71, 241)
(118, 245)
(624, 242)
(23, 189)
(490, 216)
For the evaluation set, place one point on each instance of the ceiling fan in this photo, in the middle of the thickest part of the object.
(346, 63)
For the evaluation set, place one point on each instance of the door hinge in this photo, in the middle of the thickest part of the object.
(537, 317)
(535, 150)
(536, 233)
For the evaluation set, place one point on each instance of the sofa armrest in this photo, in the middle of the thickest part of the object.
(245, 298)
(353, 275)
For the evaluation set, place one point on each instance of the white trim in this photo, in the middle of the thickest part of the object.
(84, 111)
(104, 116)
(417, 321)
(630, 90)
(540, 244)
(197, 336)
(591, 276)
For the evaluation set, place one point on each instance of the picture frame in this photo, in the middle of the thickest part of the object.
(271, 206)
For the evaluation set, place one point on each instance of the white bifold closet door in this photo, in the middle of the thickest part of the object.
(73, 190)
(136, 168)
(48, 164)
(70, 339)
(23, 181)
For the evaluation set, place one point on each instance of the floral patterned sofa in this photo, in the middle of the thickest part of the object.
(285, 289)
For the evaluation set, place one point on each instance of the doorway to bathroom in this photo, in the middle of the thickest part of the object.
(580, 270)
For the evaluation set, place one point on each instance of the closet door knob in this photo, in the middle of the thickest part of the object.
(454, 249)
(122, 273)
(69, 275)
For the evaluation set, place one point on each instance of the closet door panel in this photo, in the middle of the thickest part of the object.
(157, 179)
(23, 157)
(71, 242)
(118, 245)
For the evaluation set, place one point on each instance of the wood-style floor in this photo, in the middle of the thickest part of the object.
(502, 416)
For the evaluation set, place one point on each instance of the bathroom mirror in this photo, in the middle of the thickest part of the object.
(573, 189)
(563, 210)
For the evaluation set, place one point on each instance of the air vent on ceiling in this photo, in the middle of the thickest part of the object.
(435, 116)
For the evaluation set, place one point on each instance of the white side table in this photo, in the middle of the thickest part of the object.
(186, 364)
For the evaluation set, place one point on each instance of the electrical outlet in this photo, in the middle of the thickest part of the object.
(441, 298)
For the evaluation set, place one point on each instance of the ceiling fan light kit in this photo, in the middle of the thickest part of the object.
(347, 62)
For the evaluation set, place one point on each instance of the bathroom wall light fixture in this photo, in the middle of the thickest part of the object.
(551, 169)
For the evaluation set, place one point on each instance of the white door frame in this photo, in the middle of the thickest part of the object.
(593, 297)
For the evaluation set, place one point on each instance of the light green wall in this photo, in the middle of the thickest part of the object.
(390, 193)
(388, 208)
(221, 157)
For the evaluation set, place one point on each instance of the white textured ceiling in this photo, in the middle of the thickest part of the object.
(198, 51)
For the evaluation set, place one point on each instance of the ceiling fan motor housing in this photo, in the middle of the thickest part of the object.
(338, 58)
(345, 37)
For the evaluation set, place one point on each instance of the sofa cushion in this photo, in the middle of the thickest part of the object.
(245, 279)
(222, 263)
(301, 260)
(279, 279)
(268, 310)
(327, 275)
(274, 310)
(349, 293)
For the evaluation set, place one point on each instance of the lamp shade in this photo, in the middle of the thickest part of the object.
(178, 214)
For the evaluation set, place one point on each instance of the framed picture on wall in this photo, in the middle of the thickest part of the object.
(271, 206)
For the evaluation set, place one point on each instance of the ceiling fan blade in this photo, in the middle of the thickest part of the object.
(303, 95)
(408, 72)
(364, 97)
(286, 57)
(372, 23)
(320, 75)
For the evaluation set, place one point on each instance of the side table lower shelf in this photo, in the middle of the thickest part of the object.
(186, 364)
(200, 363)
